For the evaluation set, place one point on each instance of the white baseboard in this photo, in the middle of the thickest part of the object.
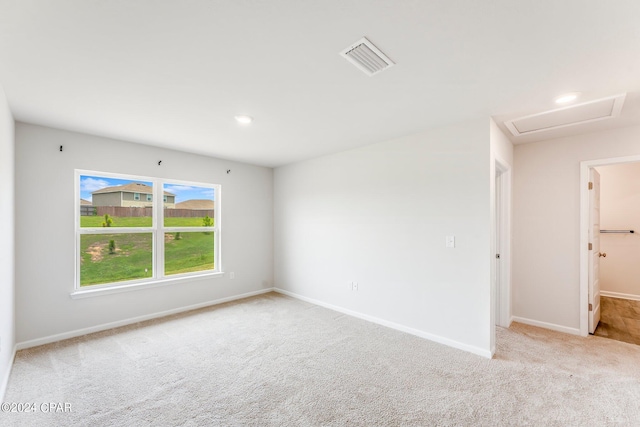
(5, 381)
(620, 295)
(436, 338)
(552, 326)
(98, 328)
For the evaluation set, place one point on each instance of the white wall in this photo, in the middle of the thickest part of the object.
(45, 230)
(620, 210)
(379, 215)
(7, 319)
(546, 223)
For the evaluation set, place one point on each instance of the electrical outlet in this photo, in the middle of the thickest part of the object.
(232, 275)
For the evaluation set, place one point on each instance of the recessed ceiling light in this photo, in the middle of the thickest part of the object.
(567, 98)
(245, 120)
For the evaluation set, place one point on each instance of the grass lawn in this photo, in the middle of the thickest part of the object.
(144, 221)
(184, 222)
(191, 251)
(132, 258)
(128, 221)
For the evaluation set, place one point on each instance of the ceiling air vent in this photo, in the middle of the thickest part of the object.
(600, 109)
(364, 55)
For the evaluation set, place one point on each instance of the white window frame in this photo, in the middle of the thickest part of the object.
(149, 198)
(157, 230)
(136, 196)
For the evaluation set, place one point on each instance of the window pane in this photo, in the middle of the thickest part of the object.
(107, 258)
(188, 206)
(111, 202)
(185, 252)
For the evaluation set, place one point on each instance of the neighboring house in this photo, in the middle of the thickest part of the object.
(195, 204)
(84, 202)
(134, 194)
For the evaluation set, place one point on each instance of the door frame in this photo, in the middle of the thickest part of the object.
(502, 234)
(585, 167)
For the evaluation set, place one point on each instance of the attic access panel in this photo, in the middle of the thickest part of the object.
(600, 109)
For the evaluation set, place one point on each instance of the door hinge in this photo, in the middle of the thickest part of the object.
(591, 186)
(590, 246)
(590, 307)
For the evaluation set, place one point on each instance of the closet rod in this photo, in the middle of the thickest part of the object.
(617, 231)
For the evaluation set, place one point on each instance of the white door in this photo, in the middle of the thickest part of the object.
(594, 249)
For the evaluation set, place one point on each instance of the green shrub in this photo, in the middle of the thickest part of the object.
(108, 221)
(112, 247)
(207, 222)
(178, 236)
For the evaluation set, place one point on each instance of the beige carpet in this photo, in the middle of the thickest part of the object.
(276, 361)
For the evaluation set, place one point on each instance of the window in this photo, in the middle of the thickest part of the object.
(120, 242)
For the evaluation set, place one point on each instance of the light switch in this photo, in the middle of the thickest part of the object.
(451, 241)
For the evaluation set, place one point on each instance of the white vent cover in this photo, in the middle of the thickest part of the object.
(368, 58)
(600, 109)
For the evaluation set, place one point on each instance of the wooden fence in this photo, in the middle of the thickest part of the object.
(86, 210)
(124, 211)
(188, 213)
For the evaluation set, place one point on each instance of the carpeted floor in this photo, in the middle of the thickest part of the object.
(275, 361)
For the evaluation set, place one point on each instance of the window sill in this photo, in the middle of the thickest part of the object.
(116, 289)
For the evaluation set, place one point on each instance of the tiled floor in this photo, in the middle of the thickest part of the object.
(619, 320)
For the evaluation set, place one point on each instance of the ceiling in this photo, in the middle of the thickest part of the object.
(174, 73)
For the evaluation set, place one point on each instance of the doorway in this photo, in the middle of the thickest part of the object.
(619, 251)
(609, 248)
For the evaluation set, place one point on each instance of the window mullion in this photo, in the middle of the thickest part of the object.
(158, 205)
(116, 230)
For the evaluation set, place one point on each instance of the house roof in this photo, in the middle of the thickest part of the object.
(195, 204)
(133, 187)
(84, 202)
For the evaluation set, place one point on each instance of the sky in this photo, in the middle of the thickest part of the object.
(89, 184)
